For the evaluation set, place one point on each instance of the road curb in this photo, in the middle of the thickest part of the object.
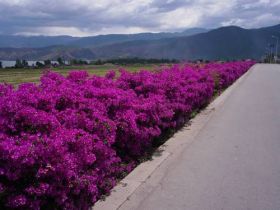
(122, 192)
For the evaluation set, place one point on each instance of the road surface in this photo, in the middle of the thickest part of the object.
(234, 161)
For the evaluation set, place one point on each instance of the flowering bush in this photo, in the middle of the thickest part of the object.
(65, 142)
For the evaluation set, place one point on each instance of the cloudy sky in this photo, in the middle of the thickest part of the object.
(92, 17)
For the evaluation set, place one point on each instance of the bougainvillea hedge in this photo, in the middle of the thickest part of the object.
(65, 141)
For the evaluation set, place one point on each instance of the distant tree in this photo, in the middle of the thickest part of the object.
(60, 61)
(82, 62)
(18, 64)
(73, 62)
(24, 63)
(1, 65)
(78, 62)
(21, 64)
(98, 62)
(47, 62)
(39, 64)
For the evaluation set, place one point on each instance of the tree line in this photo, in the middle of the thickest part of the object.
(117, 61)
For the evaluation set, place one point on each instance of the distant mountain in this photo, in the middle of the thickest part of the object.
(102, 40)
(193, 31)
(14, 41)
(223, 43)
(45, 53)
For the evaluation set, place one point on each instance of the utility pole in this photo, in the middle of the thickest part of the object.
(276, 48)
(267, 54)
(271, 53)
(269, 48)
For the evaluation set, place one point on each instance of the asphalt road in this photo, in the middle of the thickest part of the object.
(234, 161)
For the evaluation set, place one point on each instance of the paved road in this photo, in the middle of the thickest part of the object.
(234, 162)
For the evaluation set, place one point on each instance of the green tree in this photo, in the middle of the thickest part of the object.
(73, 62)
(47, 62)
(99, 62)
(39, 64)
(1, 65)
(18, 64)
(60, 61)
(24, 63)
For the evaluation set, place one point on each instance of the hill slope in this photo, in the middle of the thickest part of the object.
(223, 43)
(10, 41)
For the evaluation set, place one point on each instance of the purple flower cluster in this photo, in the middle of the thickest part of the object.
(65, 142)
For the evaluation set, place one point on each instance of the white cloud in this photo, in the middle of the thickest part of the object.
(88, 17)
(180, 18)
(53, 31)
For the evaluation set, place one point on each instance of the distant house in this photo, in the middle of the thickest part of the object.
(54, 63)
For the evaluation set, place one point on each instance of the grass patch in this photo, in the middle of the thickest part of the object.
(18, 76)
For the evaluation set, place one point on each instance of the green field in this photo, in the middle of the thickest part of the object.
(17, 76)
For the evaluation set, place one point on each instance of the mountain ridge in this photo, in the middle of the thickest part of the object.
(18, 41)
(230, 42)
